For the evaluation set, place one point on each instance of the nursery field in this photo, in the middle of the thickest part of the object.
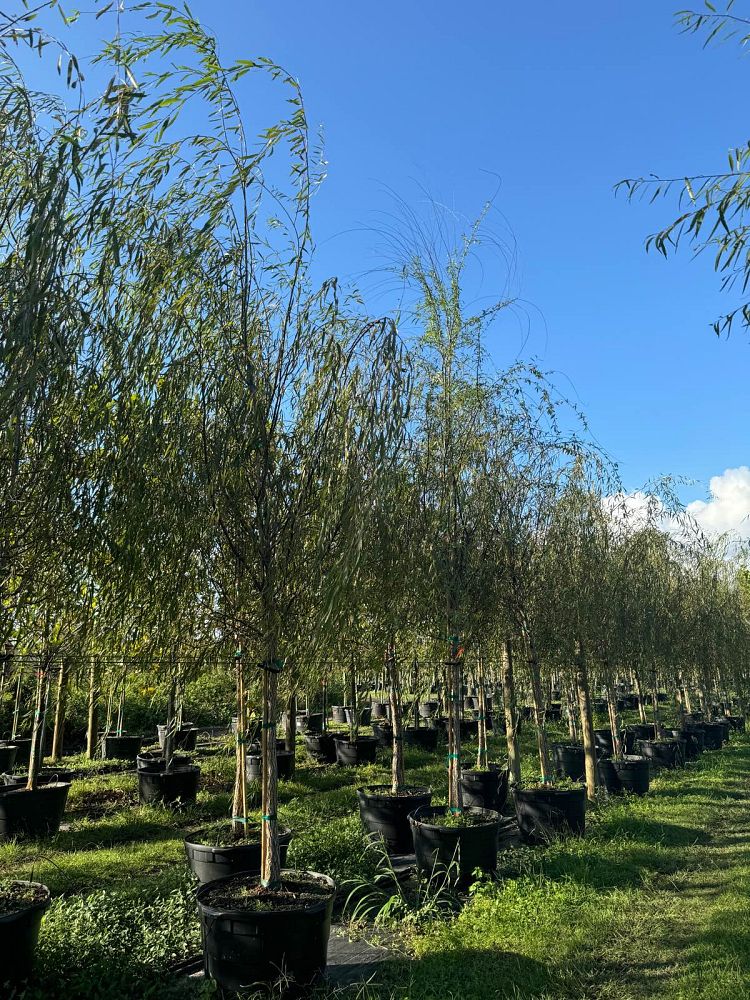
(651, 902)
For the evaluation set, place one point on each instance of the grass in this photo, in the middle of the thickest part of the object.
(651, 904)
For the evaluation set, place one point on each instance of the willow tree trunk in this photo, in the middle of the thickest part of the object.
(239, 797)
(511, 713)
(60, 704)
(40, 715)
(290, 734)
(455, 796)
(482, 722)
(614, 718)
(394, 698)
(93, 707)
(270, 861)
(570, 697)
(658, 730)
(641, 706)
(587, 725)
(169, 734)
(539, 714)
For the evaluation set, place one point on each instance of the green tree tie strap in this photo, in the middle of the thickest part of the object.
(240, 819)
(268, 818)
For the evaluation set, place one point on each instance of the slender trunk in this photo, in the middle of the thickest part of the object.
(93, 707)
(539, 715)
(394, 696)
(121, 703)
(455, 797)
(35, 759)
(614, 718)
(354, 716)
(60, 704)
(482, 723)
(170, 728)
(239, 798)
(415, 688)
(570, 697)
(658, 730)
(587, 725)
(290, 735)
(324, 727)
(512, 717)
(17, 703)
(641, 706)
(270, 861)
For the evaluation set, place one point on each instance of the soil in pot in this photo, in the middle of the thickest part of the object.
(22, 905)
(362, 751)
(321, 746)
(216, 852)
(154, 760)
(545, 812)
(484, 789)
(176, 787)
(36, 813)
(387, 815)
(253, 935)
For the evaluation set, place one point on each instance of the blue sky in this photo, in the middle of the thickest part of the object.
(554, 103)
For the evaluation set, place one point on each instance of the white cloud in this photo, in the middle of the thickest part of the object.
(728, 506)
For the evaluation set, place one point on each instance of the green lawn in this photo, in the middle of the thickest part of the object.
(651, 904)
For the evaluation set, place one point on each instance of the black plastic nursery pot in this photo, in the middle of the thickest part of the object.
(210, 862)
(690, 744)
(427, 709)
(284, 765)
(546, 812)
(469, 730)
(713, 735)
(23, 751)
(364, 716)
(638, 731)
(175, 787)
(338, 714)
(603, 740)
(661, 753)
(313, 722)
(737, 722)
(19, 934)
(382, 733)
(379, 710)
(471, 703)
(553, 713)
(455, 851)
(184, 738)
(7, 757)
(247, 947)
(416, 736)
(387, 815)
(362, 751)
(599, 705)
(692, 717)
(154, 760)
(121, 747)
(321, 746)
(634, 773)
(570, 761)
(485, 789)
(36, 813)
(725, 727)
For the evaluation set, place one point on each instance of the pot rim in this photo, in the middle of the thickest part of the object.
(42, 904)
(416, 820)
(372, 791)
(262, 914)
(190, 841)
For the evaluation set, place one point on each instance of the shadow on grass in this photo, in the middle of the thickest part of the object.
(460, 973)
